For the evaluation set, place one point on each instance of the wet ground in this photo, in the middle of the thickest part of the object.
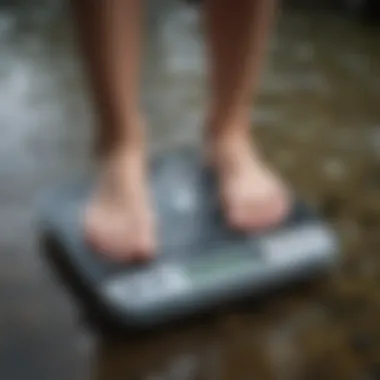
(319, 121)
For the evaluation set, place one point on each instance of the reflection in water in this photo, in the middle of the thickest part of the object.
(182, 357)
(319, 122)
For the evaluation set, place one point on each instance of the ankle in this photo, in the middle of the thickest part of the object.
(128, 136)
(233, 127)
(230, 146)
(229, 140)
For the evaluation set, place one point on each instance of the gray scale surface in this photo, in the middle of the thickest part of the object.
(200, 263)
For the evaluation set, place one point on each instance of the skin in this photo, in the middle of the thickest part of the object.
(118, 219)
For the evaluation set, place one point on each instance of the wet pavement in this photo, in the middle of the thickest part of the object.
(319, 122)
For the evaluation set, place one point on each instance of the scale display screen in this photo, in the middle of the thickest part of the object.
(221, 262)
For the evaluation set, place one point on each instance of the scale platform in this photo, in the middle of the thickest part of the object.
(200, 264)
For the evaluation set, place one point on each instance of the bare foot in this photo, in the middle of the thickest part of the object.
(253, 196)
(118, 218)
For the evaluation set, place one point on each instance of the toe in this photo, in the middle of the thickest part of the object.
(271, 210)
(255, 205)
(106, 233)
(143, 238)
(234, 205)
(237, 215)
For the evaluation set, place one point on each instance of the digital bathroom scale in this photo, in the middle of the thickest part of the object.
(200, 264)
